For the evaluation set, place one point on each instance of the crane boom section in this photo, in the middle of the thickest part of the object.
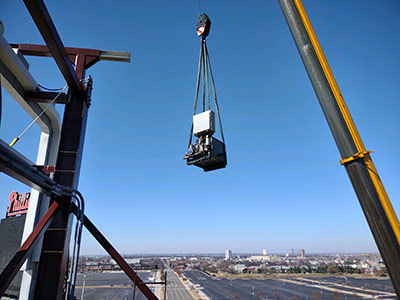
(350, 123)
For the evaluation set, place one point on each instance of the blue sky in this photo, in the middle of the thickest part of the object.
(283, 187)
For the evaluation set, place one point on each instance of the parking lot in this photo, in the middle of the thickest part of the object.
(109, 286)
(323, 288)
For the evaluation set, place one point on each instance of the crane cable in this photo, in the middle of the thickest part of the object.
(206, 7)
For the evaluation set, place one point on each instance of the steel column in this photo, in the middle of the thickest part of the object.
(54, 256)
(376, 206)
(165, 287)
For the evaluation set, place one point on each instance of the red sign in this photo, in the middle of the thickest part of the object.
(18, 204)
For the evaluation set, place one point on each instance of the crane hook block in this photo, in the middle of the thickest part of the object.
(203, 25)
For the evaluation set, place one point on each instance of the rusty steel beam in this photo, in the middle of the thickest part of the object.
(26, 249)
(44, 23)
(43, 50)
(40, 50)
(92, 56)
(116, 256)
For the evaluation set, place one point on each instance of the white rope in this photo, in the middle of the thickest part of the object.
(37, 117)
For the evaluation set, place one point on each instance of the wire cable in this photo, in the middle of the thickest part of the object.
(48, 89)
(15, 140)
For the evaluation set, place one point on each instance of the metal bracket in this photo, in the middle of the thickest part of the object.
(89, 86)
(48, 170)
(360, 154)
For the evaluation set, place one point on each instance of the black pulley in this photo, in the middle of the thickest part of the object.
(203, 25)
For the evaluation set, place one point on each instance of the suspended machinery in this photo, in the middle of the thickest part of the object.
(206, 152)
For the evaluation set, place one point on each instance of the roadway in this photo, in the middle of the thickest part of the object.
(290, 289)
(175, 289)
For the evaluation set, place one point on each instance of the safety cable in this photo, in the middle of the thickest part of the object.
(15, 140)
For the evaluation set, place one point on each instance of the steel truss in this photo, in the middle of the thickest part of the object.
(11, 270)
(55, 225)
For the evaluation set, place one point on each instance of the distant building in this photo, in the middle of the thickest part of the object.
(239, 268)
(128, 260)
(262, 257)
(228, 254)
(259, 257)
(303, 253)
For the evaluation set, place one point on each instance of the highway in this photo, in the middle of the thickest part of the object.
(290, 289)
(175, 289)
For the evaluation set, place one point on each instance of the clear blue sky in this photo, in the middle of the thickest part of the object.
(283, 187)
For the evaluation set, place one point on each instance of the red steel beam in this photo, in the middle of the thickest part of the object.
(116, 256)
(91, 55)
(45, 24)
(26, 249)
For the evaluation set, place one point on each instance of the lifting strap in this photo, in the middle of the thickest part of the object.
(205, 72)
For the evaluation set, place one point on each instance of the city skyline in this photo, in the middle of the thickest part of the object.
(283, 185)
